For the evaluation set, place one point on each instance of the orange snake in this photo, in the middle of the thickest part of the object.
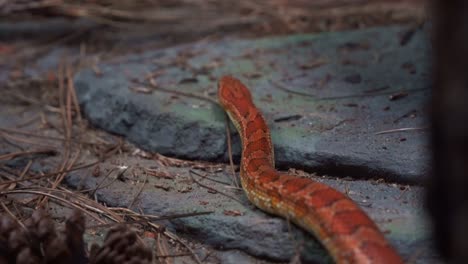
(335, 220)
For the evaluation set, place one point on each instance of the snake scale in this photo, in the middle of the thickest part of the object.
(342, 227)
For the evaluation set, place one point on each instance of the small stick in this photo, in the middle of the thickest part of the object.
(13, 155)
(13, 216)
(15, 131)
(213, 189)
(231, 163)
(214, 180)
(62, 200)
(152, 218)
(61, 171)
(139, 191)
(400, 130)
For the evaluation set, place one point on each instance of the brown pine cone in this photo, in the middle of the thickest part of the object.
(42, 233)
(14, 243)
(27, 256)
(121, 245)
(74, 230)
(66, 246)
(40, 242)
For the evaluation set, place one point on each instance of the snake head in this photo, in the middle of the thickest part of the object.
(231, 90)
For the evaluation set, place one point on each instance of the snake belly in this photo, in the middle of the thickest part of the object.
(342, 227)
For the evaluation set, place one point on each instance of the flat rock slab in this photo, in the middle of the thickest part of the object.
(111, 190)
(234, 227)
(325, 97)
(235, 224)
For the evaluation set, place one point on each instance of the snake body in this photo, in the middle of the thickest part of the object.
(335, 220)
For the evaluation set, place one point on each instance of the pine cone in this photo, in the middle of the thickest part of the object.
(42, 233)
(41, 243)
(66, 246)
(14, 243)
(121, 245)
(74, 230)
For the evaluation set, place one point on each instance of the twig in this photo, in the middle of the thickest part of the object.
(153, 85)
(72, 91)
(13, 155)
(61, 176)
(90, 204)
(400, 130)
(29, 121)
(11, 143)
(161, 246)
(69, 121)
(82, 201)
(8, 130)
(207, 256)
(104, 179)
(152, 218)
(213, 189)
(72, 163)
(28, 5)
(139, 190)
(62, 200)
(58, 172)
(21, 176)
(229, 145)
(95, 11)
(315, 98)
(26, 169)
(214, 180)
(19, 139)
(12, 215)
(173, 255)
(49, 174)
(65, 112)
(61, 95)
(174, 237)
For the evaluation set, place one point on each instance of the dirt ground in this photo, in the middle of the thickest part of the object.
(44, 137)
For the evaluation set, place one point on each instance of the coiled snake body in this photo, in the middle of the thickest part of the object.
(337, 222)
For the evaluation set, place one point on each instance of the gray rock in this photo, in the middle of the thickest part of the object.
(330, 95)
(234, 225)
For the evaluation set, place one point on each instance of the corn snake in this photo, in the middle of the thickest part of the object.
(346, 231)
